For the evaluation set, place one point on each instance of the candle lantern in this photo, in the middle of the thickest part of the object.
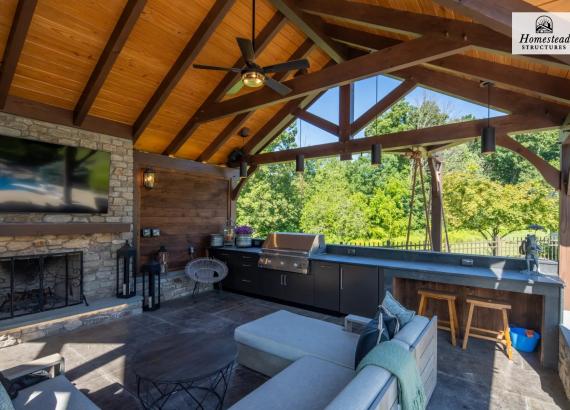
(126, 278)
(162, 257)
(151, 285)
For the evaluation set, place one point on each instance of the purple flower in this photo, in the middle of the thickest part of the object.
(244, 230)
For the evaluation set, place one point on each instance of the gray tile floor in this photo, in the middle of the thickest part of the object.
(99, 360)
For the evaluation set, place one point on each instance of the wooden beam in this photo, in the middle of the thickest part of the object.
(317, 121)
(262, 40)
(312, 26)
(144, 160)
(388, 60)
(514, 78)
(377, 109)
(184, 60)
(232, 128)
(236, 191)
(55, 115)
(114, 45)
(359, 39)
(409, 23)
(345, 115)
(412, 138)
(14, 45)
(550, 174)
(434, 164)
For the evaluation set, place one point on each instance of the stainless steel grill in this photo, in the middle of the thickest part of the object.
(290, 251)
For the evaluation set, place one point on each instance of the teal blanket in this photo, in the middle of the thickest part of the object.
(399, 361)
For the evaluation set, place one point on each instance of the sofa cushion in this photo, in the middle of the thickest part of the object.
(54, 394)
(394, 307)
(363, 390)
(308, 384)
(291, 336)
(374, 332)
(5, 401)
(410, 333)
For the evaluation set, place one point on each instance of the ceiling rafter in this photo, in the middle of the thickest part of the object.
(404, 139)
(390, 59)
(263, 39)
(497, 15)
(16, 39)
(400, 21)
(183, 62)
(312, 26)
(114, 45)
(317, 121)
(384, 104)
(231, 129)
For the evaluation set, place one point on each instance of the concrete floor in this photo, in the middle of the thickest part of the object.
(99, 359)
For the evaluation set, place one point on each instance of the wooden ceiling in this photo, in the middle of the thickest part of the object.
(124, 64)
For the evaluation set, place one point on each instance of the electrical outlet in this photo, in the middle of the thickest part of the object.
(466, 262)
(351, 251)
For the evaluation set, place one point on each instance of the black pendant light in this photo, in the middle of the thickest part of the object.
(243, 169)
(488, 142)
(300, 158)
(376, 154)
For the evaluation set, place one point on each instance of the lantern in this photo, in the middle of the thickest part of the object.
(126, 279)
(151, 285)
(163, 260)
(149, 178)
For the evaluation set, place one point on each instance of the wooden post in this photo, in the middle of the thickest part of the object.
(436, 204)
(345, 115)
(564, 231)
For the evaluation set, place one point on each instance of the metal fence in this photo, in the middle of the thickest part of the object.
(501, 247)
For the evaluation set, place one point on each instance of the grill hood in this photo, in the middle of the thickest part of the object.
(290, 251)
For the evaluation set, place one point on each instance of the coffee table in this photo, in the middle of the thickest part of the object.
(185, 370)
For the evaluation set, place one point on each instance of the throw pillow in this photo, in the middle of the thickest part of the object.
(374, 332)
(396, 309)
(391, 322)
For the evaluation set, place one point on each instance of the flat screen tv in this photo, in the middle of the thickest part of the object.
(41, 177)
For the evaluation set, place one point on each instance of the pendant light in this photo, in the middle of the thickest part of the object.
(488, 142)
(376, 154)
(244, 133)
(300, 158)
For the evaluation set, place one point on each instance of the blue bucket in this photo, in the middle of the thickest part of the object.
(522, 342)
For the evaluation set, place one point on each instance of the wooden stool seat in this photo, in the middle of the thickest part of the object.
(502, 336)
(452, 325)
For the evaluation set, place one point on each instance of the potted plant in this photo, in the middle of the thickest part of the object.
(243, 236)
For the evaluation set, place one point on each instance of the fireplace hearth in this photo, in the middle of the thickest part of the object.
(36, 283)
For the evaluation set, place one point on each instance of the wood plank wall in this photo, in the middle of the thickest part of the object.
(190, 201)
(526, 309)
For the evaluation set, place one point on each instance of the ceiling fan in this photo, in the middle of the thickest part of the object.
(253, 75)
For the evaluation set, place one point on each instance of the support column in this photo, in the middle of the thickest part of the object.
(564, 231)
(345, 115)
(436, 203)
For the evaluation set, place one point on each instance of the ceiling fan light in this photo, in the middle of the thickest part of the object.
(253, 79)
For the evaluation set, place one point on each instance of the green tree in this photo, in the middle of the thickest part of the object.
(388, 208)
(494, 210)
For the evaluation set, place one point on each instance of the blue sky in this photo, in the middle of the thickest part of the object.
(366, 93)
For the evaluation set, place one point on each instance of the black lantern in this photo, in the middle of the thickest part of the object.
(488, 141)
(126, 279)
(149, 178)
(243, 169)
(151, 285)
(376, 154)
(162, 257)
(300, 163)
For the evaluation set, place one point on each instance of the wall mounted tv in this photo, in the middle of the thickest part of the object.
(41, 177)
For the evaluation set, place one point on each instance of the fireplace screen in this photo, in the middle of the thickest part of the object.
(30, 284)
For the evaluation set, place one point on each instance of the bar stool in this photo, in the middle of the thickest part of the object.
(502, 336)
(452, 326)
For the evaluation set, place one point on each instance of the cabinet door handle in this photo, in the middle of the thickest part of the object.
(247, 257)
(341, 287)
(246, 280)
(281, 283)
(285, 279)
(246, 265)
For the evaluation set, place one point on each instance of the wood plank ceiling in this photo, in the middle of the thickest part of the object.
(66, 41)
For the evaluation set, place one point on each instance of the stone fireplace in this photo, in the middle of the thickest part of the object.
(98, 249)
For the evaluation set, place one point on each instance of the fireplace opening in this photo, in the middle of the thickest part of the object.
(36, 283)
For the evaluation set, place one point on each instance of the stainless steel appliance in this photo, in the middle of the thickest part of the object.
(290, 252)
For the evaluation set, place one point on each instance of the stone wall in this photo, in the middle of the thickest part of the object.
(99, 249)
(564, 361)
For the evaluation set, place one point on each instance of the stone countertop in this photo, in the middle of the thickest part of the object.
(442, 268)
(494, 273)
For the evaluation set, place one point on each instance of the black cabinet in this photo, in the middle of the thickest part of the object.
(327, 284)
(243, 273)
(287, 286)
(358, 289)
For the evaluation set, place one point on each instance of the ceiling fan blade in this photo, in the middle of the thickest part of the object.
(236, 88)
(277, 86)
(288, 66)
(246, 47)
(212, 67)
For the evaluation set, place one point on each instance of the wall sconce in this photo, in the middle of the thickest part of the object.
(149, 178)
